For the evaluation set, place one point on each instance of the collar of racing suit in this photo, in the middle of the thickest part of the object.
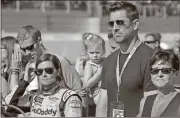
(55, 87)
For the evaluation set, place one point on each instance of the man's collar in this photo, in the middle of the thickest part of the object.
(133, 42)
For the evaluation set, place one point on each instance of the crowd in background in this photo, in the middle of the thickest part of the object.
(40, 83)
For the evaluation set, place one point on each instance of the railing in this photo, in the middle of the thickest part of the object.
(96, 8)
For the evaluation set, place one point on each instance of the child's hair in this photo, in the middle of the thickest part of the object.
(90, 40)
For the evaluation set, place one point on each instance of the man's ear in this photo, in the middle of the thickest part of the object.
(136, 24)
(40, 40)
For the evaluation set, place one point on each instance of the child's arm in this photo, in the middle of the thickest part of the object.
(89, 78)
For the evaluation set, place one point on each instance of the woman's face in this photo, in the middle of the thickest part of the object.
(47, 73)
(161, 74)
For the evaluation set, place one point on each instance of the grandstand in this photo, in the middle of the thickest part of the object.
(64, 22)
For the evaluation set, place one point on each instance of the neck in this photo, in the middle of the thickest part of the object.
(48, 87)
(166, 90)
(127, 45)
(43, 50)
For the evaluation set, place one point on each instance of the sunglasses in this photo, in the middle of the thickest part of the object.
(120, 23)
(47, 70)
(155, 71)
(149, 42)
(30, 48)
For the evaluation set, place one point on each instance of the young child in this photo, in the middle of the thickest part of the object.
(94, 47)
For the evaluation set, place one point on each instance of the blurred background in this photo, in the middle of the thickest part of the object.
(62, 23)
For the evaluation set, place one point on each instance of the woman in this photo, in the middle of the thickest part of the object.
(7, 47)
(166, 101)
(53, 98)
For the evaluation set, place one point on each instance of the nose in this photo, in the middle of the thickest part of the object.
(160, 74)
(116, 27)
(44, 74)
(95, 55)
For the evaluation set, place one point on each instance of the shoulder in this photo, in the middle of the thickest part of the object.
(68, 94)
(145, 50)
(112, 56)
(63, 60)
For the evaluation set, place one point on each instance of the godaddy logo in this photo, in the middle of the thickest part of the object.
(44, 112)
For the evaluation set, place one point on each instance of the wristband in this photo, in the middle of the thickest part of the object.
(15, 72)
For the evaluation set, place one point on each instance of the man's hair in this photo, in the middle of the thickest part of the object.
(28, 31)
(90, 39)
(131, 10)
(166, 57)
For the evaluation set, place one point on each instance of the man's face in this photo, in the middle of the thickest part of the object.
(120, 25)
(151, 42)
(30, 46)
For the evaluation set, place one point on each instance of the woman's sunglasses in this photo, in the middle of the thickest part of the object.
(47, 70)
(155, 71)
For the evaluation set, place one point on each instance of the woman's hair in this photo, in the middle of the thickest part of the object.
(8, 43)
(57, 66)
(166, 57)
(90, 39)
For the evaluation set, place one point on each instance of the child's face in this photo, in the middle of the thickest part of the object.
(95, 54)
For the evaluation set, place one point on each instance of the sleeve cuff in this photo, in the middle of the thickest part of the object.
(23, 83)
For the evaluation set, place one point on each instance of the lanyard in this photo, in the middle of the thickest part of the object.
(119, 76)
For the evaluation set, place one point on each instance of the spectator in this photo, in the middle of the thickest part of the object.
(95, 49)
(166, 102)
(7, 44)
(125, 72)
(52, 94)
(30, 41)
(153, 40)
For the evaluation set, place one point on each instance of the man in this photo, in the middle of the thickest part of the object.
(153, 40)
(30, 41)
(134, 78)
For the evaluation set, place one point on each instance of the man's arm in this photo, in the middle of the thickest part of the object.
(145, 69)
(101, 108)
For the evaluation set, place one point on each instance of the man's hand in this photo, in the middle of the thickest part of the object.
(29, 72)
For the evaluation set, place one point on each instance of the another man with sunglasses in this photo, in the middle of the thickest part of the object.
(153, 40)
(166, 101)
(30, 41)
(125, 74)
